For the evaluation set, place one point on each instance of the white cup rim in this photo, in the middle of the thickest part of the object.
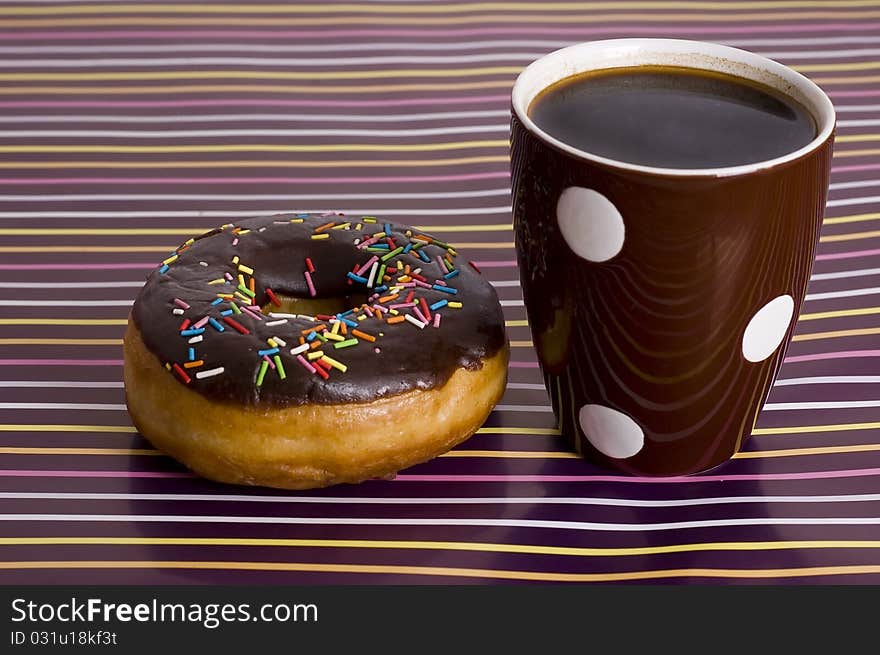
(614, 53)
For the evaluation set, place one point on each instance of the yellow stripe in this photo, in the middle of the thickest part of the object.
(796, 452)
(56, 427)
(485, 547)
(142, 231)
(253, 88)
(849, 138)
(404, 8)
(853, 218)
(265, 147)
(79, 451)
(860, 332)
(512, 430)
(503, 574)
(389, 163)
(512, 454)
(852, 236)
(299, 21)
(60, 342)
(856, 153)
(836, 427)
(516, 323)
(521, 344)
(63, 321)
(864, 79)
(861, 311)
(485, 245)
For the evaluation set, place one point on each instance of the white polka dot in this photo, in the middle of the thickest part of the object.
(767, 329)
(612, 433)
(590, 224)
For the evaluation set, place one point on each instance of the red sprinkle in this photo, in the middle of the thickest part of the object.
(310, 265)
(323, 317)
(421, 278)
(390, 242)
(320, 371)
(273, 297)
(409, 296)
(183, 325)
(425, 310)
(181, 373)
(322, 364)
(231, 322)
(475, 267)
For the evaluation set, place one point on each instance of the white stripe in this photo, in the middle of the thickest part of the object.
(854, 108)
(109, 407)
(852, 201)
(247, 198)
(870, 291)
(504, 523)
(523, 408)
(860, 123)
(69, 285)
(829, 379)
(290, 117)
(504, 283)
(844, 404)
(843, 274)
(433, 500)
(65, 303)
(74, 384)
(511, 303)
(199, 134)
(526, 385)
(858, 184)
(197, 62)
(464, 211)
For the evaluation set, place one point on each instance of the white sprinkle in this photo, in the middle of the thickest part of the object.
(195, 339)
(372, 277)
(177, 311)
(262, 229)
(419, 324)
(280, 342)
(307, 317)
(277, 315)
(209, 373)
(203, 263)
(299, 349)
(278, 322)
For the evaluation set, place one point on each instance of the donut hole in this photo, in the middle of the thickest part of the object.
(313, 306)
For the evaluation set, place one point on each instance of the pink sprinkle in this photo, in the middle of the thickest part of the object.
(405, 284)
(367, 242)
(228, 276)
(253, 311)
(419, 314)
(311, 284)
(380, 308)
(235, 241)
(422, 284)
(180, 303)
(436, 320)
(271, 363)
(302, 360)
(402, 304)
(367, 265)
(440, 261)
(202, 322)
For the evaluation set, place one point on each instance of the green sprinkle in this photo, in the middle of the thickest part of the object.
(262, 373)
(346, 343)
(380, 275)
(246, 291)
(391, 254)
(235, 307)
(279, 367)
(321, 337)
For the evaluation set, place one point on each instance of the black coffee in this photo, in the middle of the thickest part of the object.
(672, 117)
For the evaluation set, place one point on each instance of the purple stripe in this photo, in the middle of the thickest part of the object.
(248, 180)
(71, 267)
(523, 364)
(255, 102)
(843, 354)
(60, 362)
(848, 94)
(264, 35)
(8, 473)
(496, 263)
(858, 167)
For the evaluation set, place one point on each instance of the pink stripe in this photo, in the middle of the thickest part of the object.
(60, 362)
(496, 263)
(71, 267)
(859, 167)
(248, 180)
(843, 354)
(523, 364)
(808, 475)
(264, 35)
(848, 255)
(849, 94)
(255, 102)
(8, 473)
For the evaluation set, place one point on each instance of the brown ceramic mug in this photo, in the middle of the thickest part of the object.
(661, 301)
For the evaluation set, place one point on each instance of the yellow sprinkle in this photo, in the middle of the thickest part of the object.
(272, 342)
(362, 317)
(334, 363)
(225, 296)
(358, 226)
(235, 260)
(369, 219)
(342, 226)
(247, 301)
(168, 366)
(245, 269)
(334, 336)
(335, 329)
(315, 354)
(393, 311)
(243, 231)
(169, 260)
(296, 220)
(320, 236)
(454, 304)
(404, 278)
(219, 280)
(241, 280)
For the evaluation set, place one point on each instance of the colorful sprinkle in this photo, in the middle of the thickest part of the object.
(216, 324)
(279, 367)
(272, 297)
(262, 374)
(311, 284)
(201, 375)
(181, 373)
(411, 319)
(231, 322)
(437, 305)
(194, 364)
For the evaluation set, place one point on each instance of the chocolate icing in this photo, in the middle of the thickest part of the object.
(276, 248)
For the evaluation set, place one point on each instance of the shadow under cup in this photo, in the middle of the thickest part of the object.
(661, 301)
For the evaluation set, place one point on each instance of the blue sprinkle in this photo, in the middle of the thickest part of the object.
(440, 287)
(406, 248)
(192, 354)
(302, 216)
(226, 312)
(217, 301)
(437, 305)
(388, 229)
(312, 336)
(348, 322)
(268, 351)
(163, 268)
(347, 313)
(384, 287)
(450, 274)
(379, 246)
(357, 278)
(191, 332)
(424, 257)
(216, 324)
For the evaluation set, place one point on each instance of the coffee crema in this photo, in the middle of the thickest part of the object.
(672, 117)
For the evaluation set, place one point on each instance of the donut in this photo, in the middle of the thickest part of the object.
(305, 350)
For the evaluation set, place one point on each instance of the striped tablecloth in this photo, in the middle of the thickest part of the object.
(126, 127)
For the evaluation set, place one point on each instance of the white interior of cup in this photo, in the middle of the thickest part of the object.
(618, 53)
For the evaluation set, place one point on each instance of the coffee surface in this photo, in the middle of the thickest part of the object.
(672, 117)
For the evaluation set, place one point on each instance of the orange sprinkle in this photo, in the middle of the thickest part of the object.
(395, 319)
(325, 226)
(387, 298)
(342, 328)
(315, 344)
(317, 328)
(198, 362)
(251, 285)
(422, 237)
(363, 335)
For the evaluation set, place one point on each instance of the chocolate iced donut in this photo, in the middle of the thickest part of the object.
(305, 350)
